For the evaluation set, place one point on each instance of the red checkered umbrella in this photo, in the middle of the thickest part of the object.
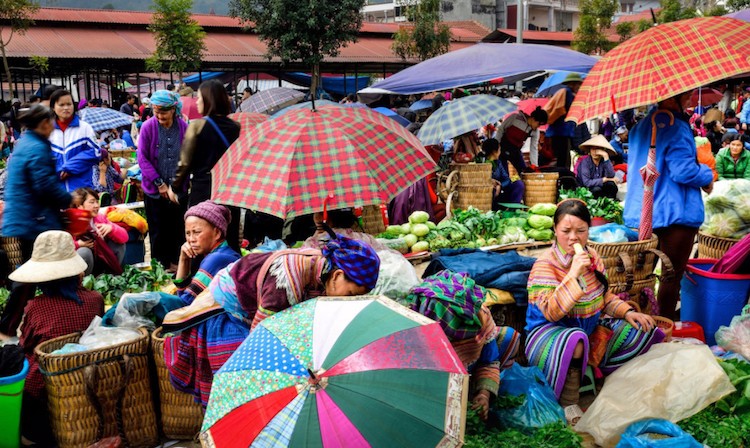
(291, 163)
(660, 63)
(248, 120)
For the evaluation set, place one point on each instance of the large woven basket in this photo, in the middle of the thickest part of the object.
(372, 220)
(710, 246)
(478, 197)
(12, 248)
(540, 188)
(473, 174)
(99, 393)
(181, 416)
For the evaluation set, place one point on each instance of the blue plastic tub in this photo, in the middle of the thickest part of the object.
(11, 395)
(712, 299)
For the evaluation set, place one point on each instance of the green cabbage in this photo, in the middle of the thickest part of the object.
(419, 217)
(723, 225)
(540, 222)
(393, 231)
(420, 229)
(410, 239)
(545, 209)
(420, 246)
(540, 235)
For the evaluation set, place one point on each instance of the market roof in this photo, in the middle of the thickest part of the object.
(503, 34)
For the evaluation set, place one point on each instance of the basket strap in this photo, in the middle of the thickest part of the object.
(91, 380)
(625, 264)
(667, 268)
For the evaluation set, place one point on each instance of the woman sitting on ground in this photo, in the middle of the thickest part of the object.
(205, 251)
(568, 299)
(596, 172)
(342, 222)
(206, 333)
(63, 307)
(103, 246)
(457, 304)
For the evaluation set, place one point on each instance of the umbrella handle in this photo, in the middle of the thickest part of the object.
(325, 207)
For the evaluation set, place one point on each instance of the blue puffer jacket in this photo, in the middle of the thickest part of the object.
(34, 193)
(76, 152)
(677, 194)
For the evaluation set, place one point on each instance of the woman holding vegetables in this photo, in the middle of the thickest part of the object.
(568, 297)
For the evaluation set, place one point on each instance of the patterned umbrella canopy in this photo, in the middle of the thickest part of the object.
(306, 105)
(463, 115)
(104, 118)
(336, 372)
(662, 62)
(248, 120)
(705, 96)
(272, 100)
(190, 108)
(290, 164)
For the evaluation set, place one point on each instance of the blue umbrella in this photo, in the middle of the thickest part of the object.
(550, 85)
(421, 104)
(463, 115)
(481, 63)
(389, 113)
(104, 118)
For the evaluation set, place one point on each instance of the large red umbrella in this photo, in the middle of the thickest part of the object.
(663, 61)
(248, 120)
(705, 96)
(530, 104)
(190, 108)
(289, 164)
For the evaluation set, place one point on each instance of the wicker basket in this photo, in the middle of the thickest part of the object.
(477, 197)
(372, 220)
(473, 174)
(710, 246)
(666, 325)
(181, 416)
(12, 248)
(99, 393)
(540, 188)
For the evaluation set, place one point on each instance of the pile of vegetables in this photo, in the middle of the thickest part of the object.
(728, 209)
(112, 287)
(4, 295)
(605, 208)
(472, 229)
(725, 423)
(555, 435)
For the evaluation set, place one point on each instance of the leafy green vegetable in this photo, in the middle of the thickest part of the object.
(112, 287)
(607, 208)
(555, 435)
(540, 235)
(543, 209)
(4, 295)
(540, 222)
(419, 217)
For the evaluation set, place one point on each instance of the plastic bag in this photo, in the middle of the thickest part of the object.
(98, 336)
(397, 276)
(269, 245)
(638, 435)
(540, 407)
(397, 244)
(671, 381)
(736, 337)
(612, 233)
(728, 209)
(132, 310)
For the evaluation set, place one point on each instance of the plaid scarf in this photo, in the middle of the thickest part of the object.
(454, 300)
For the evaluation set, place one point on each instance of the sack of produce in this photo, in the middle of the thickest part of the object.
(728, 209)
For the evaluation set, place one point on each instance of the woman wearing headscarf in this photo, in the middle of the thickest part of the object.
(250, 290)
(206, 140)
(63, 307)
(456, 302)
(158, 154)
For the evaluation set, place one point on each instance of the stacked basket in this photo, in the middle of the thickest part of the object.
(372, 219)
(181, 416)
(710, 246)
(539, 188)
(99, 393)
(474, 186)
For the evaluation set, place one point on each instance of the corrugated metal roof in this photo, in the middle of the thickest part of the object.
(553, 36)
(76, 43)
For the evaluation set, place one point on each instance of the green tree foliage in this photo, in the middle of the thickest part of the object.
(625, 30)
(40, 63)
(673, 10)
(15, 17)
(427, 37)
(302, 30)
(178, 37)
(643, 25)
(596, 18)
(736, 5)
(108, 6)
(717, 10)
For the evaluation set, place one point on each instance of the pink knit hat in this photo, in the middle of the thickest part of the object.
(218, 215)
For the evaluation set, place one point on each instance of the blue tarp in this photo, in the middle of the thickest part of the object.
(200, 77)
(421, 104)
(481, 63)
(549, 85)
(389, 113)
(338, 85)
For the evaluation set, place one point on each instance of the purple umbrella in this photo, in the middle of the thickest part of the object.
(740, 15)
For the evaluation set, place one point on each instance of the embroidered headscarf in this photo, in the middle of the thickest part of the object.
(357, 259)
(165, 98)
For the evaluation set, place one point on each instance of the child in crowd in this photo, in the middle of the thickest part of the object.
(106, 178)
(103, 247)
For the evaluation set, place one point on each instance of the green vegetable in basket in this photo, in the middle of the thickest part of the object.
(545, 209)
(723, 225)
(540, 222)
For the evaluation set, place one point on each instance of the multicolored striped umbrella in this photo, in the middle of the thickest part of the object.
(340, 372)
(290, 164)
(248, 120)
(463, 115)
(662, 62)
(272, 100)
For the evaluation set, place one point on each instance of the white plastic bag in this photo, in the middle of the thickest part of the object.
(397, 276)
(736, 337)
(671, 382)
(98, 336)
(132, 309)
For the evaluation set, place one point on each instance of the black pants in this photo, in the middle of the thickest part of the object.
(561, 149)
(20, 294)
(607, 190)
(166, 229)
(676, 241)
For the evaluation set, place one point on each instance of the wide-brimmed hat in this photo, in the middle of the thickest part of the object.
(598, 142)
(573, 77)
(54, 257)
